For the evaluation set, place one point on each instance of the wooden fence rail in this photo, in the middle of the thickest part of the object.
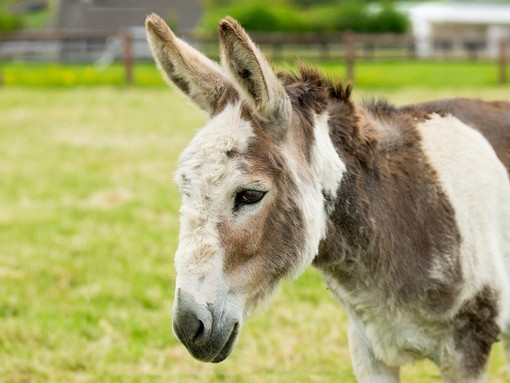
(277, 44)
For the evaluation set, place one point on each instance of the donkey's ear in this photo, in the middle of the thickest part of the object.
(182, 65)
(253, 76)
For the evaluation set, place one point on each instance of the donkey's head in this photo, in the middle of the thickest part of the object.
(254, 182)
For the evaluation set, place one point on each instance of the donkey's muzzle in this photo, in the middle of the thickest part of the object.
(193, 324)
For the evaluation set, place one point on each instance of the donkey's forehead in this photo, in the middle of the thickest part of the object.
(225, 136)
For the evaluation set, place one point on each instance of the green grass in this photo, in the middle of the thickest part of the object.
(369, 74)
(435, 74)
(88, 228)
(61, 75)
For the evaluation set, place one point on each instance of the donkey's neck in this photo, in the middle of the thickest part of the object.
(390, 215)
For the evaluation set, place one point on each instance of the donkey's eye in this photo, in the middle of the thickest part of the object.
(248, 197)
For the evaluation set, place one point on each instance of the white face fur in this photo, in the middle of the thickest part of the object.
(209, 181)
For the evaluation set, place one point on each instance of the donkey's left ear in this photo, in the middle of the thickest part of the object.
(252, 74)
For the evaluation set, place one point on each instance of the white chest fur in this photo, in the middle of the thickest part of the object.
(394, 336)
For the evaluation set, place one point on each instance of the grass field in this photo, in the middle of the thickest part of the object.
(369, 74)
(88, 227)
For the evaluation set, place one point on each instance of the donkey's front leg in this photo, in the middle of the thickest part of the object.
(366, 367)
(463, 365)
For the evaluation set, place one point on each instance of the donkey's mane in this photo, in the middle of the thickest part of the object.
(309, 77)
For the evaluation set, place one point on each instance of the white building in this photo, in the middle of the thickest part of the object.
(459, 27)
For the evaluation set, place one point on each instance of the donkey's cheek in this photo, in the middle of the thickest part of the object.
(240, 242)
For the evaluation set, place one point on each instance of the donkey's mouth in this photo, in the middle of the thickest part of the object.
(229, 345)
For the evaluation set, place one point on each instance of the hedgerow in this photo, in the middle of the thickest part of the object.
(257, 16)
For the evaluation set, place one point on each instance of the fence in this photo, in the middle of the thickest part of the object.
(52, 46)
(350, 48)
(130, 46)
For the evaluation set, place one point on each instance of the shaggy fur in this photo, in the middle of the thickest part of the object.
(405, 211)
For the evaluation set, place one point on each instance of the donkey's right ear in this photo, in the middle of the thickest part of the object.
(182, 65)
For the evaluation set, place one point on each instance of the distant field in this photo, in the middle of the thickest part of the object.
(369, 74)
(88, 228)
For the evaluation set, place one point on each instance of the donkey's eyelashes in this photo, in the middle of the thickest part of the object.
(248, 197)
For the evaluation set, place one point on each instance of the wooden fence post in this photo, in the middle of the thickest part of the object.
(350, 55)
(503, 60)
(128, 57)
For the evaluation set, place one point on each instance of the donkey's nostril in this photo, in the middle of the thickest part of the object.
(192, 321)
(200, 334)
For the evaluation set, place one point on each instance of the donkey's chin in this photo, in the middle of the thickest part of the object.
(218, 348)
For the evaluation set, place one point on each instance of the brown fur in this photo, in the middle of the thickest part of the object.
(229, 96)
(385, 169)
(310, 93)
(475, 330)
(390, 189)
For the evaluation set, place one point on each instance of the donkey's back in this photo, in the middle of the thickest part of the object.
(491, 118)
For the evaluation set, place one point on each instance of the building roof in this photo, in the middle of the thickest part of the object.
(465, 13)
(111, 16)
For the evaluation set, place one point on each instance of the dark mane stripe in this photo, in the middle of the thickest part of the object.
(309, 78)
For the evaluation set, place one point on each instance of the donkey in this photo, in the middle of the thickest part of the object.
(405, 211)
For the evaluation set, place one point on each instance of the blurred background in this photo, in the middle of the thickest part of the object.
(89, 139)
(98, 35)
